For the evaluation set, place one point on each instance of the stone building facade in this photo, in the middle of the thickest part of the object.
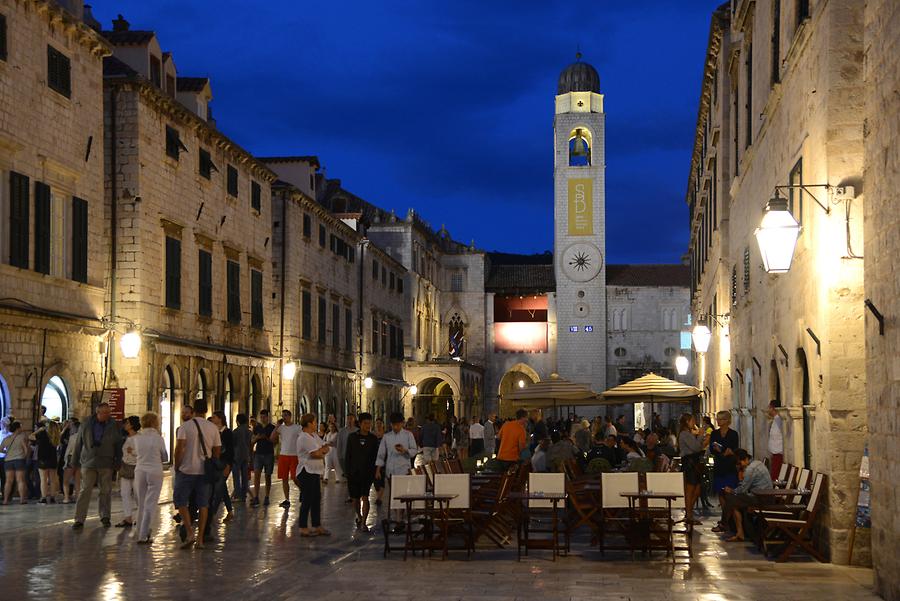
(882, 283)
(782, 105)
(53, 255)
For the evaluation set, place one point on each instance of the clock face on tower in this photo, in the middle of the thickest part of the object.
(581, 262)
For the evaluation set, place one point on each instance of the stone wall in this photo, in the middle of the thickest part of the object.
(882, 248)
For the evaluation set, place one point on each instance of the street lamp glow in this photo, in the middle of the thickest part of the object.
(777, 236)
(701, 336)
(130, 343)
(289, 370)
(681, 365)
(521, 383)
(368, 383)
(414, 390)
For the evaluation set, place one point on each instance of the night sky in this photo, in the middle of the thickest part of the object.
(447, 106)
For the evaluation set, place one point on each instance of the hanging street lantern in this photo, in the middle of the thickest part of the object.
(777, 236)
(130, 343)
(681, 365)
(701, 336)
(289, 370)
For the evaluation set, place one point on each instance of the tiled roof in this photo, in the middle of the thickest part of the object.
(113, 67)
(648, 275)
(191, 84)
(128, 37)
(520, 278)
(311, 159)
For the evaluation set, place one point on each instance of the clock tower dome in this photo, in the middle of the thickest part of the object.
(579, 222)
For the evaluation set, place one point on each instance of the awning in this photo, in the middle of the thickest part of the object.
(551, 393)
(650, 389)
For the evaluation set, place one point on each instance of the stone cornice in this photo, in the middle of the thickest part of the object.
(173, 109)
(56, 16)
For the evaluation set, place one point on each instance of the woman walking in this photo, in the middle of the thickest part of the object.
(311, 450)
(331, 459)
(17, 449)
(691, 444)
(379, 479)
(47, 438)
(226, 460)
(126, 473)
(150, 454)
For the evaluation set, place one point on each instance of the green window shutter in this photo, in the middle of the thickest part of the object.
(234, 292)
(173, 273)
(205, 291)
(255, 196)
(307, 315)
(19, 215)
(256, 299)
(3, 37)
(41, 227)
(323, 319)
(232, 181)
(79, 240)
(348, 330)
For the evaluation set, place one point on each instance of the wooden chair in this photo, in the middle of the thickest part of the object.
(615, 518)
(540, 517)
(492, 514)
(584, 509)
(402, 485)
(782, 473)
(792, 533)
(460, 508)
(672, 482)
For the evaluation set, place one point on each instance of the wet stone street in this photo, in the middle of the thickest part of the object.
(259, 555)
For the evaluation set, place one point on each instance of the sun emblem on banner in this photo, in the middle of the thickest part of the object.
(580, 261)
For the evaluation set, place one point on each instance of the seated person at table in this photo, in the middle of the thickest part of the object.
(562, 450)
(756, 477)
(609, 451)
(539, 459)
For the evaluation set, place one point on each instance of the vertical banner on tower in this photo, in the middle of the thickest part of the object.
(581, 207)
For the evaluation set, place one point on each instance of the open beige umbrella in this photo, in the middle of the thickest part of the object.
(650, 389)
(553, 392)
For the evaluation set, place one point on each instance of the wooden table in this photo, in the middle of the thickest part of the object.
(643, 533)
(524, 527)
(428, 541)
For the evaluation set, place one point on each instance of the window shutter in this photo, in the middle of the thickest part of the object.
(58, 72)
(173, 273)
(18, 220)
(205, 164)
(79, 239)
(307, 225)
(307, 315)
(348, 330)
(41, 227)
(255, 196)
(234, 292)
(173, 142)
(336, 326)
(374, 335)
(323, 318)
(256, 302)
(3, 37)
(232, 181)
(205, 292)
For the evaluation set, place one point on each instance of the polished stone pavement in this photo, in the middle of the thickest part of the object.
(260, 556)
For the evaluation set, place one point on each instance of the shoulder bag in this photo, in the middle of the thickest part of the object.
(210, 470)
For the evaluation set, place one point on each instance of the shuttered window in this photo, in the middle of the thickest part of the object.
(256, 298)
(323, 319)
(307, 225)
(79, 240)
(384, 338)
(336, 326)
(173, 273)
(375, 270)
(255, 197)
(234, 292)
(59, 77)
(348, 330)
(41, 227)
(322, 236)
(3, 37)
(173, 142)
(232, 181)
(306, 318)
(18, 220)
(205, 283)
(400, 284)
(374, 335)
(206, 164)
(393, 341)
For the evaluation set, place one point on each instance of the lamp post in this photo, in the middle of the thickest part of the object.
(777, 236)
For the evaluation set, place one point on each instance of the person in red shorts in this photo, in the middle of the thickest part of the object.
(287, 433)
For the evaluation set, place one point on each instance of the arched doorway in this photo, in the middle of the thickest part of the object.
(55, 399)
(4, 398)
(201, 393)
(303, 408)
(230, 406)
(747, 435)
(255, 400)
(774, 382)
(518, 377)
(433, 397)
(167, 418)
(802, 397)
(320, 410)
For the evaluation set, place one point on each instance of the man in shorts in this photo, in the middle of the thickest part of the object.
(264, 456)
(362, 452)
(287, 432)
(196, 441)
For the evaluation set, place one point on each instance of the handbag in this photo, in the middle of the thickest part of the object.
(210, 469)
(126, 471)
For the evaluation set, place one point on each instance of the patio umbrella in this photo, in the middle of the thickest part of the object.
(552, 393)
(651, 389)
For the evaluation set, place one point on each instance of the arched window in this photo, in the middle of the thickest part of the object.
(201, 386)
(580, 147)
(55, 399)
(255, 396)
(320, 409)
(230, 408)
(457, 336)
(304, 405)
(803, 389)
(748, 434)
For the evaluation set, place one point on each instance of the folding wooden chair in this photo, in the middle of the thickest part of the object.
(583, 509)
(795, 532)
(615, 518)
(541, 511)
(460, 509)
(782, 473)
(672, 482)
(402, 485)
(492, 514)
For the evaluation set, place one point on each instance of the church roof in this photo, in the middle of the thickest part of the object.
(648, 275)
(578, 77)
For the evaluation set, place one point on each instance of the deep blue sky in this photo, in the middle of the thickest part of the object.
(447, 106)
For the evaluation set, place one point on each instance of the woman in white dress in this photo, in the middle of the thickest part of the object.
(331, 459)
(150, 450)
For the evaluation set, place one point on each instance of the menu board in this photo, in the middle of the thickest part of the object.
(116, 399)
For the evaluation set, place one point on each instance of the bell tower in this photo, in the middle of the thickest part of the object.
(580, 221)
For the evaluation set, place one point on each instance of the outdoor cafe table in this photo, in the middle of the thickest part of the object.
(524, 526)
(429, 513)
(643, 532)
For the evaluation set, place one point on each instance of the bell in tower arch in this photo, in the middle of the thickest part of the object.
(579, 149)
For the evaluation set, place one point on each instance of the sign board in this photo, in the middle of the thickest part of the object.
(581, 207)
(863, 510)
(116, 399)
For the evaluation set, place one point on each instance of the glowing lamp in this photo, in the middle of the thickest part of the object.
(414, 390)
(521, 383)
(130, 343)
(777, 236)
(701, 336)
(681, 365)
(368, 383)
(289, 370)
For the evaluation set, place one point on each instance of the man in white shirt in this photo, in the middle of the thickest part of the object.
(196, 441)
(476, 438)
(397, 449)
(776, 440)
(287, 432)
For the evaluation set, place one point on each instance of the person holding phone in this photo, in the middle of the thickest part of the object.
(397, 449)
(723, 444)
(311, 451)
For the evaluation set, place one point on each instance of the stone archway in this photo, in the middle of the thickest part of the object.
(435, 396)
(518, 376)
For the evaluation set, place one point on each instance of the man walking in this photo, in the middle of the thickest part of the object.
(287, 432)
(99, 451)
(431, 440)
(776, 439)
(264, 457)
(398, 447)
(476, 438)
(196, 441)
(341, 442)
(362, 452)
(490, 435)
